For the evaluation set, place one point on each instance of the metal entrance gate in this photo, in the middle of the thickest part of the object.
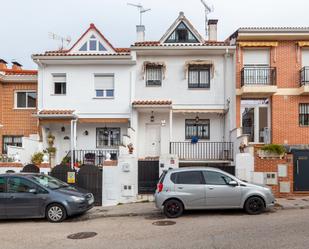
(88, 177)
(301, 170)
(148, 176)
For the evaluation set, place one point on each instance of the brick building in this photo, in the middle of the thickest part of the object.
(18, 101)
(272, 95)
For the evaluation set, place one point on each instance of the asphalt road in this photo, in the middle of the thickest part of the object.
(224, 229)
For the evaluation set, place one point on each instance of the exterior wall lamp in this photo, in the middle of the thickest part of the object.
(197, 119)
(152, 118)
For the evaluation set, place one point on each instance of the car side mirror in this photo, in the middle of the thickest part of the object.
(33, 191)
(233, 183)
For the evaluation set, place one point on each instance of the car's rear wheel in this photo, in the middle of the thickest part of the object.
(254, 205)
(56, 213)
(173, 208)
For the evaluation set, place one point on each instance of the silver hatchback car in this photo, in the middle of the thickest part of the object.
(208, 188)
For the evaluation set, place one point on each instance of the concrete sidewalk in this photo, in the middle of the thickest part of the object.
(149, 209)
(292, 202)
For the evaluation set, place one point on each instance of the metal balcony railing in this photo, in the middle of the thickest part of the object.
(202, 150)
(304, 76)
(258, 76)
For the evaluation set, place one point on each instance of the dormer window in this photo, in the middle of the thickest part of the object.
(182, 34)
(93, 44)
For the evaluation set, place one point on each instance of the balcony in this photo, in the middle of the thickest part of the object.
(304, 81)
(258, 82)
(202, 151)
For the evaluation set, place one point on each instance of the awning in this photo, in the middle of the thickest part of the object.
(103, 120)
(303, 43)
(154, 64)
(258, 44)
(218, 111)
(200, 63)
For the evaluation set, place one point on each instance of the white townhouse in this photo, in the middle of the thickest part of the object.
(84, 102)
(159, 104)
(184, 98)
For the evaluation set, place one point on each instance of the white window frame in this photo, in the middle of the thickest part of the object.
(97, 45)
(104, 90)
(66, 84)
(24, 108)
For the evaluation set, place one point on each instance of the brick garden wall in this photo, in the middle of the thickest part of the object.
(271, 165)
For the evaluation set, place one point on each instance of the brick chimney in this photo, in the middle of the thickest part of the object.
(3, 64)
(16, 65)
(212, 30)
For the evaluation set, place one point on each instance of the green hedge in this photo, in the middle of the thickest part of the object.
(274, 148)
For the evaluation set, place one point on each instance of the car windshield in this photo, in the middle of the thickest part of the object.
(49, 182)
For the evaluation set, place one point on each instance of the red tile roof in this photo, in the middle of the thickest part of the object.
(86, 54)
(56, 112)
(92, 26)
(152, 102)
(18, 72)
(65, 52)
(158, 44)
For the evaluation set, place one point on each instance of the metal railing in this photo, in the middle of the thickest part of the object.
(258, 76)
(94, 157)
(304, 76)
(202, 150)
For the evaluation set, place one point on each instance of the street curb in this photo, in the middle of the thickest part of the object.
(98, 216)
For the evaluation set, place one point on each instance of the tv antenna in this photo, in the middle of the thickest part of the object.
(208, 10)
(60, 38)
(141, 10)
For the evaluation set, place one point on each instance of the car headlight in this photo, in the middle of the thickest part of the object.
(77, 199)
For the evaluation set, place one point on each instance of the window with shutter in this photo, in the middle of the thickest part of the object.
(60, 87)
(104, 85)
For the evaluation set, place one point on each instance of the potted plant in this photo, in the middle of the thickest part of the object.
(130, 148)
(272, 151)
(51, 151)
(37, 158)
(66, 161)
(50, 139)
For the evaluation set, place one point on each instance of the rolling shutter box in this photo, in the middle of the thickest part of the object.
(256, 57)
(104, 82)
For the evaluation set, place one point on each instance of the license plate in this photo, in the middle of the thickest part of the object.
(90, 201)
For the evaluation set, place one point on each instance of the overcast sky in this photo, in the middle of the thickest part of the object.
(25, 24)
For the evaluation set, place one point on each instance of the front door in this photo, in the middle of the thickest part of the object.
(3, 196)
(153, 140)
(301, 170)
(20, 202)
(219, 194)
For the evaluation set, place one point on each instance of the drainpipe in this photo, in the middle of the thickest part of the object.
(73, 141)
(224, 91)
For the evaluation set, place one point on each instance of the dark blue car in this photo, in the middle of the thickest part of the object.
(38, 196)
